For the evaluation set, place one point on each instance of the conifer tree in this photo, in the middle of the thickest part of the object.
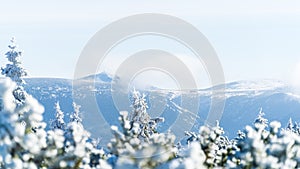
(58, 122)
(14, 69)
(75, 116)
(261, 121)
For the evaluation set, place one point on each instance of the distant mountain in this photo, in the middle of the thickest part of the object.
(101, 77)
(244, 99)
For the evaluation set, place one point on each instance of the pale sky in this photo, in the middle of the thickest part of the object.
(253, 40)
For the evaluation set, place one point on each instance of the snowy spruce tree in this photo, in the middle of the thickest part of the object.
(21, 143)
(78, 152)
(138, 144)
(70, 144)
(75, 116)
(15, 71)
(266, 146)
(293, 127)
(296, 128)
(140, 117)
(24, 142)
(262, 146)
(290, 126)
(58, 122)
(192, 157)
(215, 147)
(261, 120)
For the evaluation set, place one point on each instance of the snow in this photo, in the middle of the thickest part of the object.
(136, 145)
(239, 96)
(138, 140)
(14, 69)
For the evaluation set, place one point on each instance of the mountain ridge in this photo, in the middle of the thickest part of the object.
(243, 101)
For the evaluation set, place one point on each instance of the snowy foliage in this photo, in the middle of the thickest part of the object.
(75, 150)
(140, 121)
(26, 144)
(138, 144)
(20, 142)
(268, 148)
(75, 116)
(14, 69)
(260, 146)
(260, 120)
(58, 122)
(193, 158)
(293, 127)
(134, 152)
(215, 148)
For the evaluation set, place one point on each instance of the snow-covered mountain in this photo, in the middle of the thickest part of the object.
(244, 99)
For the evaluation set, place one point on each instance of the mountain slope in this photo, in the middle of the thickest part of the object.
(243, 101)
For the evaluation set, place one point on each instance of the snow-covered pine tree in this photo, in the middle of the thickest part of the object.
(133, 151)
(138, 145)
(24, 143)
(75, 135)
(20, 143)
(240, 135)
(261, 121)
(290, 126)
(58, 122)
(75, 116)
(71, 145)
(270, 148)
(192, 157)
(296, 128)
(140, 117)
(215, 146)
(293, 127)
(15, 71)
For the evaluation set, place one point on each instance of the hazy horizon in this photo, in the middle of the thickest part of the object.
(253, 40)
